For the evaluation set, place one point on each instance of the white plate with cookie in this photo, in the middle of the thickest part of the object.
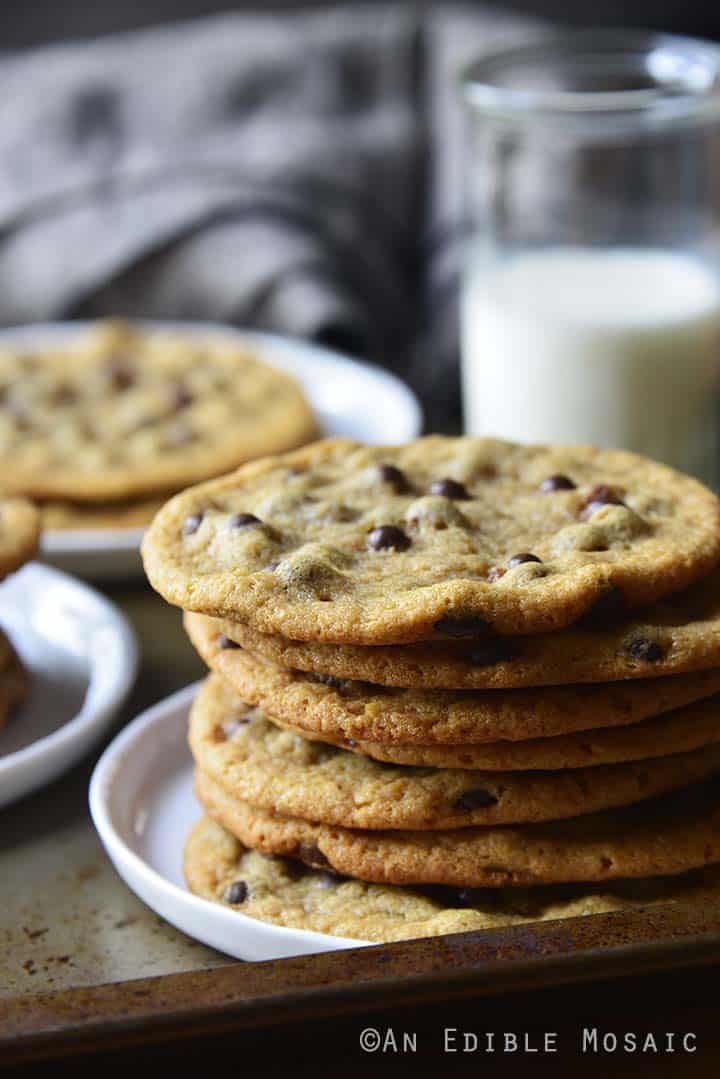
(347, 397)
(80, 658)
(143, 806)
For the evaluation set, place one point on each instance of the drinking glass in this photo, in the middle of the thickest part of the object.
(591, 288)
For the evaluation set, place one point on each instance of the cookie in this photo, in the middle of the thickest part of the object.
(239, 749)
(14, 680)
(360, 710)
(219, 868)
(19, 533)
(122, 413)
(444, 537)
(676, 732)
(100, 515)
(676, 635)
(665, 836)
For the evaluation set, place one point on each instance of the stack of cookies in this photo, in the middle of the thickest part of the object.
(102, 431)
(19, 537)
(454, 684)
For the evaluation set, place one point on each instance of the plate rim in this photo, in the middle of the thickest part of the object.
(106, 773)
(88, 718)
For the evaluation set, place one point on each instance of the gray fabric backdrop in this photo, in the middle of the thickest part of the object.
(298, 172)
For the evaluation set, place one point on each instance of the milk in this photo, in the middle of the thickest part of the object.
(617, 347)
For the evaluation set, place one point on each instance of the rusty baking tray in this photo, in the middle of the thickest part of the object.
(85, 966)
(461, 966)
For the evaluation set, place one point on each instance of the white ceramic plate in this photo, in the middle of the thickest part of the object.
(348, 397)
(143, 806)
(82, 658)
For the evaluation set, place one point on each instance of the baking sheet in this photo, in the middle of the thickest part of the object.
(66, 918)
(67, 923)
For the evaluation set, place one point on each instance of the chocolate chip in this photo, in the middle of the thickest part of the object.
(388, 536)
(461, 627)
(557, 482)
(226, 642)
(448, 488)
(180, 396)
(192, 523)
(394, 478)
(476, 798)
(604, 495)
(64, 395)
(330, 680)
(121, 374)
(311, 854)
(642, 648)
(524, 556)
(237, 893)
(600, 496)
(243, 520)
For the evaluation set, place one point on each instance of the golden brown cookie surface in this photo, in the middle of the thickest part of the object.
(443, 537)
(681, 731)
(100, 515)
(273, 769)
(14, 680)
(678, 634)
(363, 711)
(19, 533)
(665, 836)
(124, 412)
(218, 868)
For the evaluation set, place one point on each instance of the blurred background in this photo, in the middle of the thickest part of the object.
(286, 166)
(44, 20)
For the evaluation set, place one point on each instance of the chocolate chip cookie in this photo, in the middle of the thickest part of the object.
(681, 731)
(19, 533)
(99, 515)
(664, 836)
(219, 868)
(123, 412)
(444, 538)
(237, 748)
(362, 711)
(678, 634)
(14, 681)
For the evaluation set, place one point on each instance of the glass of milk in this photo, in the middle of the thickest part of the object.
(591, 290)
